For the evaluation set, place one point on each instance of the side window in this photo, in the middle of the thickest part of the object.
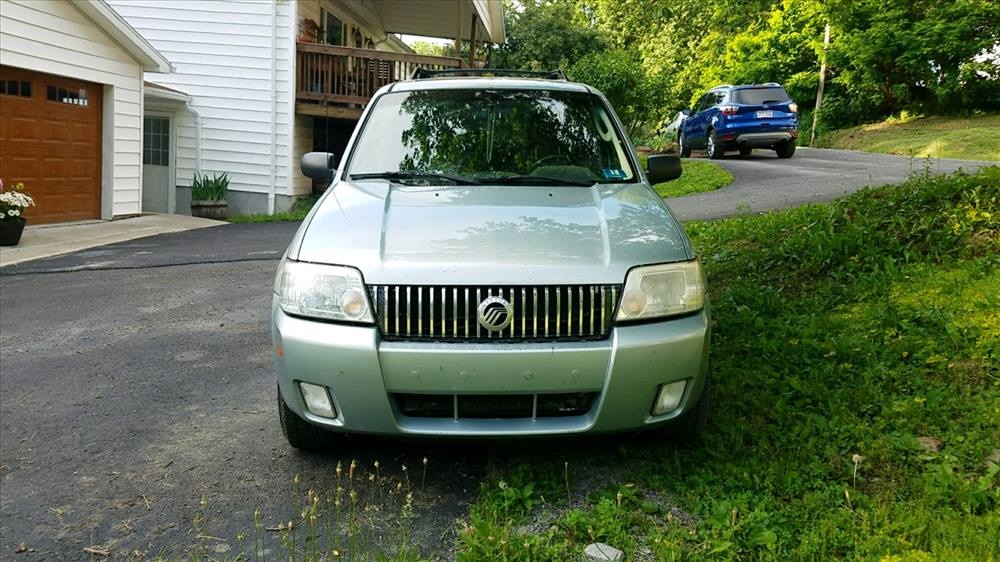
(701, 105)
(156, 141)
(332, 31)
(720, 97)
(70, 97)
(15, 88)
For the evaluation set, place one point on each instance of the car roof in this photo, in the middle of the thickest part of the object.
(745, 86)
(485, 83)
(751, 86)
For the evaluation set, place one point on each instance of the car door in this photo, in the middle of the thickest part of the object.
(694, 130)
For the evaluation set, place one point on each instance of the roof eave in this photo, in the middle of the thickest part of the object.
(108, 20)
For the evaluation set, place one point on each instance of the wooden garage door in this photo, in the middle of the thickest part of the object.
(50, 139)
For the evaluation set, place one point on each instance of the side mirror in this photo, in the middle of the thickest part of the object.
(319, 166)
(663, 167)
(686, 112)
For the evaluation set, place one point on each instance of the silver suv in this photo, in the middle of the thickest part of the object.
(489, 260)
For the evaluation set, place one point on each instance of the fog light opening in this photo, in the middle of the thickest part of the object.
(668, 398)
(317, 400)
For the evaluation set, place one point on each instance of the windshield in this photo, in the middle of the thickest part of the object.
(760, 96)
(490, 136)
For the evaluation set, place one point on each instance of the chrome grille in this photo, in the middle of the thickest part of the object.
(449, 312)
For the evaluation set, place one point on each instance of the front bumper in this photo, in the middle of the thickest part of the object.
(363, 373)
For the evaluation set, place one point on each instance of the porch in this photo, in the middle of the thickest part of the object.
(336, 82)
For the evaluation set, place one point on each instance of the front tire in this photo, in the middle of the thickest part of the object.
(301, 434)
(683, 147)
(712, 147)
(785, 149)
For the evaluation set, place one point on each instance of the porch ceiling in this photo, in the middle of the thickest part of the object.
(433, 18)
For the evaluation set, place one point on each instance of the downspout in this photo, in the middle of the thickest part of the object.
(274, 107)
(197, 136)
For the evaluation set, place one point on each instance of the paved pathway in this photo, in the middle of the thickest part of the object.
(763, 182)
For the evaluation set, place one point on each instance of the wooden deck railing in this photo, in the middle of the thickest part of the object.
(345, 75)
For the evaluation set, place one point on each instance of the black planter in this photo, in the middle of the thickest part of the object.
(10, 231)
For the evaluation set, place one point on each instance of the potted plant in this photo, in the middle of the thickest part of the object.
(13, 202)
(208, 196)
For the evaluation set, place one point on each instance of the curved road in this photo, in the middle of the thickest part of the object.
(763, 182)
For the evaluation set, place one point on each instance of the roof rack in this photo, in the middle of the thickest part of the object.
(419, 73)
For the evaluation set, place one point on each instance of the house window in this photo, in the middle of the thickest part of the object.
(156, 141)
(69, 97)
(333, 29)
(20, 88)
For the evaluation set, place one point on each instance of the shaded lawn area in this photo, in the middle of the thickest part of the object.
(970, 138)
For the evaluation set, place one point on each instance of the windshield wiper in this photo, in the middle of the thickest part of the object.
(414, 175)
(540, 180)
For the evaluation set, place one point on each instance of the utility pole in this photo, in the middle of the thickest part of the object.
(819, 91)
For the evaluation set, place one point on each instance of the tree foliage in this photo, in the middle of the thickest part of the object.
(653, 57)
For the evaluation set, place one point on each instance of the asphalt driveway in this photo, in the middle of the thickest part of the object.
(138, 418)
(137, 412)
(763, 182)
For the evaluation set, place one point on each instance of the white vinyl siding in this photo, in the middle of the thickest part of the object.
(54, 37)
(222, 53)
(302, 184)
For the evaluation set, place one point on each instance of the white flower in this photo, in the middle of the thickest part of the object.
(11, 212)
(16, 212)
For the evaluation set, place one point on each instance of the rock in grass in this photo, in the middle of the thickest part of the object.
(600, 552)
(994, 457)
(930, 444)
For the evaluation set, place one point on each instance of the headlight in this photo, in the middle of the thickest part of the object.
(330, 292)
(793, 107)
(656, 291)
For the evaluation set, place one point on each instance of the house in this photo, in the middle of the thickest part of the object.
(71, 107)
(258, 83)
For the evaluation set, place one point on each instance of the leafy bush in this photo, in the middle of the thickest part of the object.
(618, 74)
(215, 188)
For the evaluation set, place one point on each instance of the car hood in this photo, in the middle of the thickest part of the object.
(488, 235)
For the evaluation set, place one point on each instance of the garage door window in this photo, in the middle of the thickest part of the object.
(156, 141)
(70, 97)
(20, 88)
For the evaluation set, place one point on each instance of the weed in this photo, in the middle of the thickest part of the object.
(298, 212)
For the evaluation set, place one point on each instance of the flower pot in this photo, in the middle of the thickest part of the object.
(10, 230)
(208, 209)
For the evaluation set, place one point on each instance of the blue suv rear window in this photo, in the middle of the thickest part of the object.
(759, 96)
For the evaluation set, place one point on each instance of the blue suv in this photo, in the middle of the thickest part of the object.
(741, 118)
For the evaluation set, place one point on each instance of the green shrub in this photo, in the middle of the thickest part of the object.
(215, 188)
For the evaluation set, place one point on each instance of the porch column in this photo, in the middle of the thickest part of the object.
(458, 31)
(472, 42)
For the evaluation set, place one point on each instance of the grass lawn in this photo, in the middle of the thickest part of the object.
(698, 176)
(972, 138)
(298, 212)
(844, 335)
